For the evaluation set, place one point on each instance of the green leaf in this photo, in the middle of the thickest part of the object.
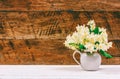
(100, 32)
(75, 45)
(81, 46)
(78, 46)
(97, 42)
(96, 30)
(94, 48)
(90, 54)
(105, 54)
(90, 30)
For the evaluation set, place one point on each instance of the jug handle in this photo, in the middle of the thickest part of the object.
(75, 57)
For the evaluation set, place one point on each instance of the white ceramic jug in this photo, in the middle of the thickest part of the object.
(88, 62)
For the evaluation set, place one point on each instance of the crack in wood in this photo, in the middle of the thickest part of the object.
(11, 44)
(28, 43)
(108, 25)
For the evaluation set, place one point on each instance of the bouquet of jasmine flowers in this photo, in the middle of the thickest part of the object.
(89, 39)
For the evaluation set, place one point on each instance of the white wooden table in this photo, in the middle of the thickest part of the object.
(57, 72)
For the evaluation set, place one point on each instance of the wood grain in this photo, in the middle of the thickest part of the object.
(54, 24)
(37, 37)
(47, 51)
(52, 5)
(33, 31)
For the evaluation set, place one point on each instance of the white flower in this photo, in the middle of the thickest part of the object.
(90, 40)
(92, 24)
(75, 37)
(69, 40)
(83, 32)
(90, 48)
(109, 44)
(104, 35)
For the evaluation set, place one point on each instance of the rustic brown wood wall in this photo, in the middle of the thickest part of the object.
(33, 31)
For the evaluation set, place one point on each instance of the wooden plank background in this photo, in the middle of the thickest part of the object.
(33, 31)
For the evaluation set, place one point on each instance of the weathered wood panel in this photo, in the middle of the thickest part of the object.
(46, 25)
(54, 24)
(33, 31)
(45, 51)
(52, 5)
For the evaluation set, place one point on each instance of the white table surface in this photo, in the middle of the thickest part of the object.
(57, 72)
